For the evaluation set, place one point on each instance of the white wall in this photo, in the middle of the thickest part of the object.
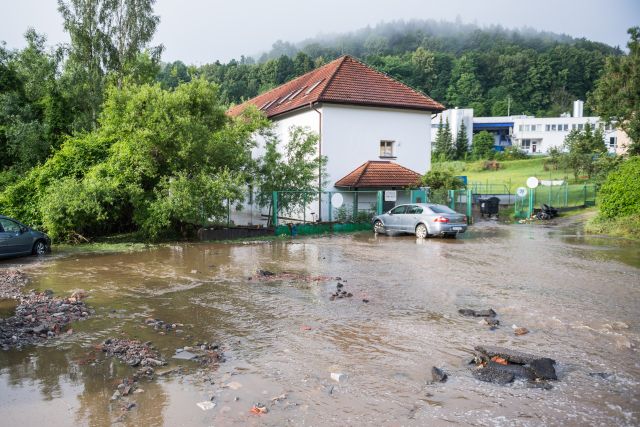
(351, 136)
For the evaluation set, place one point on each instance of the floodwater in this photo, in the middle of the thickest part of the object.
(579, 297)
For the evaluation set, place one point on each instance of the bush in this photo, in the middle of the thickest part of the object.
(511, 153)
(454, 166)
(620, 194)
(436, 179)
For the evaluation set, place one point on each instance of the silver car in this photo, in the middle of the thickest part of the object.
(421, 219)
(18, 239)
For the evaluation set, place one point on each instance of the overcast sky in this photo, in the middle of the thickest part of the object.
(202, 31)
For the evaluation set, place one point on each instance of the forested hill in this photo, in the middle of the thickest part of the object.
(457, 64)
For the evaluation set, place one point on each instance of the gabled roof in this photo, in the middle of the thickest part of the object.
(342, 81)
(379, 174)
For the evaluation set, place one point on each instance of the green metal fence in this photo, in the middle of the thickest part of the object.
(298, 212)
(559, 196)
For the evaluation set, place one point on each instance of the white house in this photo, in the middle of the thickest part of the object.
(361, 116)
(532, 134)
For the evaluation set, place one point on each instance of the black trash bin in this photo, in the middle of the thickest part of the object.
(489, 206)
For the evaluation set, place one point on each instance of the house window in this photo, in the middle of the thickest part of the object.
(612, 142)
(547, 128)
(566, 127)
(580, 126)
(386, 148)
(553, 127)
(526, 144)
(573, 126)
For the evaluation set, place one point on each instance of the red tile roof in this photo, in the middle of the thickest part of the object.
(379, 174)
(342, 81)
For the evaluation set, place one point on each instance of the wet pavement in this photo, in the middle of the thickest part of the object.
(282, 337)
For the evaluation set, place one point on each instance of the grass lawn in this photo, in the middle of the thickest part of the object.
(513, 173)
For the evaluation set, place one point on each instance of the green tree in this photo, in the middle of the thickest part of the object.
(462, 143)
(584, 147)
(443, 149)
(106, 38)
(441, 180)
(482, 146)
(465, 89)
(33, 114)
(617, 93)
(293, 166)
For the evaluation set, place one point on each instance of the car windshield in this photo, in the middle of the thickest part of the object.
(441, 209)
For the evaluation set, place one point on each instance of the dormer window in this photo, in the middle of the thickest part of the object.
(386, 149)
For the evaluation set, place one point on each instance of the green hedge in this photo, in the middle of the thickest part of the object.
(620, 194)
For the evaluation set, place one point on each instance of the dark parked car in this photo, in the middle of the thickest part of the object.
(18, 239)
(421, 219)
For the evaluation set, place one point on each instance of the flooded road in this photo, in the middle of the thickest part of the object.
(283, 337)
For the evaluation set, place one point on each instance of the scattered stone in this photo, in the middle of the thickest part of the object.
(132, 352)
(438, 375)
(116, 395)
(477, 313)
(277, 399)
(601, 375)
(543, 368)
(11, 283)
(492, 375)
(207, 405)
(162, 327)
(185, 355)
(265, 273)
(493, 322)
(338, 377)
(38, 317)
(364, 300)
(520, 331)
(129, 406)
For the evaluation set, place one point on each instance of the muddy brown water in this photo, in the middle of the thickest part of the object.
(579, 297)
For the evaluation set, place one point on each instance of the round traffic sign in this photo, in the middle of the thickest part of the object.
(532, 182)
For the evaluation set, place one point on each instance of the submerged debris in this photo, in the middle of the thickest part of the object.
(40, 316)
(132, 352)
(502, 365)
(438, 375)
(11, 283)
(267, 276)
(162, 326)
(477, 313)
(340, 293)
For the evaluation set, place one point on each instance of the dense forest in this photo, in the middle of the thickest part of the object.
(493, 70)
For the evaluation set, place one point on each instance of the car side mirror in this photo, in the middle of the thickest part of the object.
(23, 230)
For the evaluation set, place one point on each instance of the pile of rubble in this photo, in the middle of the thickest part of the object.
(39, 316)
(502, 365)
(11, 283)
(132, 352)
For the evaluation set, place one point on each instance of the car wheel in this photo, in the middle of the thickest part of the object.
(39, 248)
(421, 231)
(378, 227)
